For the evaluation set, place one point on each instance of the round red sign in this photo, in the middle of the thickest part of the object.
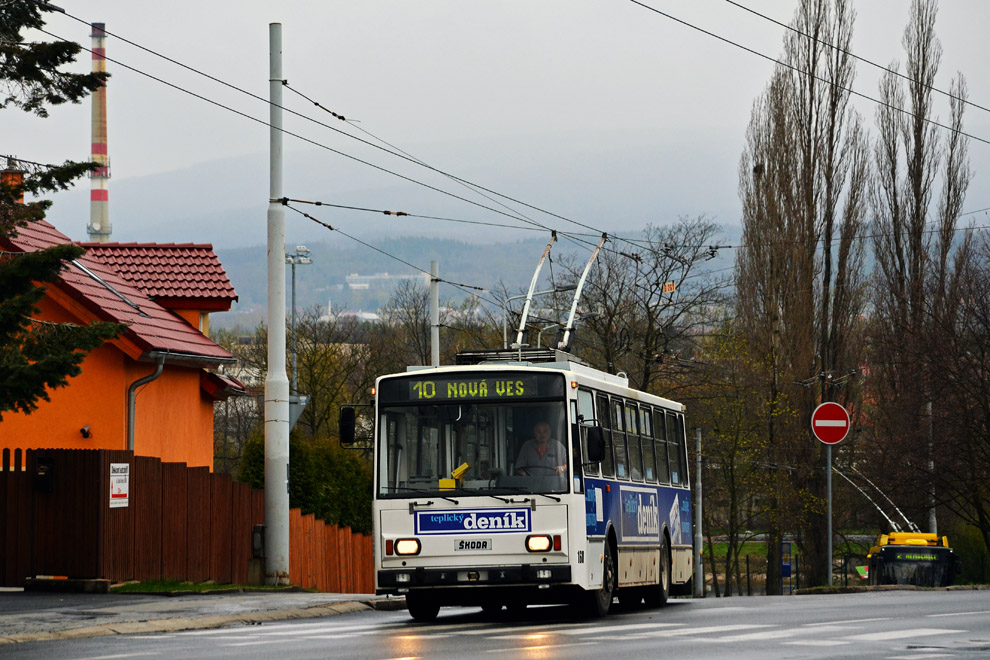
(830, 423)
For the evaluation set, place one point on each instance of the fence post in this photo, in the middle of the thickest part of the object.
(749, 586)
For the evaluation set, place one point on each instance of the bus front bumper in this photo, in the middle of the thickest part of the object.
(392, 581)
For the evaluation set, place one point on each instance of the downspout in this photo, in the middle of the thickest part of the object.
(132, 396)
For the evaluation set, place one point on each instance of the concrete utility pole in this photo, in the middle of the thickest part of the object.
(435, 313)
(276, 382)
(699, 564)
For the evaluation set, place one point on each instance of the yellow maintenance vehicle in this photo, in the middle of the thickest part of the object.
(924, 560)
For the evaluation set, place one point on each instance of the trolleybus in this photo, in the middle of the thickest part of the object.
(466, 514)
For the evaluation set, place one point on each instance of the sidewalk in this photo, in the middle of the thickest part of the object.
(29, 616)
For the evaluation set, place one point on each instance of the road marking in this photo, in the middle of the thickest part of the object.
(959, 613)
(272, 629)
(257, 642)
(522, 649)
(836, 623)
(923, 656)
(700, 630)
(780, 634)
(815, 642)
(121, 655)
(608, 629)
(901, 634)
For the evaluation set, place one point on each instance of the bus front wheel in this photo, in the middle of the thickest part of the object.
(656, 596)
(422, 607)
(600, 601)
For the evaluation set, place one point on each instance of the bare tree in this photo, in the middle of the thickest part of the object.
(918, 260)
(803, 182)
(650, 298)
(960, 418)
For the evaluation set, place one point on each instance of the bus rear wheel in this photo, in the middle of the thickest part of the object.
(422, 607)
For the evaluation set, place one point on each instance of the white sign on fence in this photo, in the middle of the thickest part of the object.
(120, 474)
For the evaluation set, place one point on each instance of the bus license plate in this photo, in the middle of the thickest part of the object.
(472, 545)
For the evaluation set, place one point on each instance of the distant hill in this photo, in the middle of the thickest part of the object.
(482, 265)
(610, 182)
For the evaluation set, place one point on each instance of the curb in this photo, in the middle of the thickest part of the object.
(886, 587)
(202, 623)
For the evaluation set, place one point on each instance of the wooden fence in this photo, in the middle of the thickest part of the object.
(60, 514)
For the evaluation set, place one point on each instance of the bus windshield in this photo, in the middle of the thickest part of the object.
(502, 449)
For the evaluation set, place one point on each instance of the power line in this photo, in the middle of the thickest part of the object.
(458, 285)
(412, 215)
(806, 73)
(395, 151)
(857, 57)
(392, 150)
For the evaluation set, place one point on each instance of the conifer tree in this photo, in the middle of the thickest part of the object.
(37, 356)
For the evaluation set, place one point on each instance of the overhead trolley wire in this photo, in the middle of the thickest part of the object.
(459, 285)
(796, 69)
(392, 150)
(398, 151)
(857, 57)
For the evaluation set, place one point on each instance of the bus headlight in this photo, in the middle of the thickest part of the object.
(407, 546)
(541, 543)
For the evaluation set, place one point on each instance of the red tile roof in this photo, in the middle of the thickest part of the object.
(98, 288)
(170, 273)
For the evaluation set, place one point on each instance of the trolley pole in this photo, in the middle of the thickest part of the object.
(699, 564)
(276, 381)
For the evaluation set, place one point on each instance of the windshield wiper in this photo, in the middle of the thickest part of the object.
(473, 491)
(424, 493)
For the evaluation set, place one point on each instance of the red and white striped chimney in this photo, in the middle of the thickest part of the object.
(99, 204)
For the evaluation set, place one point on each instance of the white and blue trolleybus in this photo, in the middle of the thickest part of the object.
(470, 508)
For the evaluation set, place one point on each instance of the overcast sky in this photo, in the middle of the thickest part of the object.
(457, 78)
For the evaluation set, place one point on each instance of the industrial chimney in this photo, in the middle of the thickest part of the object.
(99, 205)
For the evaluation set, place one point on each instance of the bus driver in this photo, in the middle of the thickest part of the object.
(541, 455)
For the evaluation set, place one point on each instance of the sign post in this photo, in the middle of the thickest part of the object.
(830, 424)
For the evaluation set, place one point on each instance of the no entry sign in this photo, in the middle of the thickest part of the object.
(830, 423)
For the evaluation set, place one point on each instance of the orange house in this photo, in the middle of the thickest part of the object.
(152, 389)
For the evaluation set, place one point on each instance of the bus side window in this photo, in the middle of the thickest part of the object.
(674, 444)
(660, 442)
(584, 419)
(619, 440)
(681, 448)
(608, 463)
(632, 442)
(649, 460)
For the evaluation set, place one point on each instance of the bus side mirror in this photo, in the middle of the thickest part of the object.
(345, 425)
(595, 445)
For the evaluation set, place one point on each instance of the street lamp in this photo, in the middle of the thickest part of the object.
(298, 258)
(505, 308)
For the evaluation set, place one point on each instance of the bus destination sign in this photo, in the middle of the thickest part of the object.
(431, 388)
(457, 389)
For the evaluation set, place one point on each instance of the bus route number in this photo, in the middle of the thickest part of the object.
(425, 389)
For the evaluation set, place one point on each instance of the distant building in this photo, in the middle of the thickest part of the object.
(356, 282)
